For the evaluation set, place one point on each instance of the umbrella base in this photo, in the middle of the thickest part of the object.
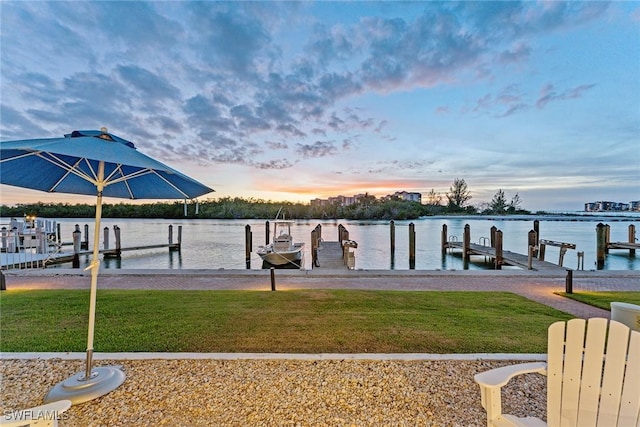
(79, 389)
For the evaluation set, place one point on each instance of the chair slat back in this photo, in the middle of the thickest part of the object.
(555, 364)
(613, 374)
(586, 387)
(592, 372)
(630, 401)
(572, 372)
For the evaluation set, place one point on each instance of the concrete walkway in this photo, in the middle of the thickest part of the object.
(536, 286)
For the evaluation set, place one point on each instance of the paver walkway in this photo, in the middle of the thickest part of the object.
(537, 287)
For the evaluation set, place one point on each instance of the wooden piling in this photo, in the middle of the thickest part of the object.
(542, 248)
(247, 245)
(607, 235)
(116, 231)
(75, 263)
(412, 246)
(466, 242)
(179, 247)
(532, 242)
(105, 234)
(392, 237)
(444, 238)
(492, 235)
(273, 278)
(498, 260)
(267, 233)
(601, 244)
(343, 233)
(84, 244)
(632, 239)
(536, 228)
(314, 247)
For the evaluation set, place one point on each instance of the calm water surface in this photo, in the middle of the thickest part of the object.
(214, 244)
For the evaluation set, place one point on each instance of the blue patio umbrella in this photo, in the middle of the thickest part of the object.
(101, 164)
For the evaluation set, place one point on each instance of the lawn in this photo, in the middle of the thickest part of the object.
(301, 321)
(604, 299)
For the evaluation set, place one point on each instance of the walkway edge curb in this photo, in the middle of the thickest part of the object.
(277, 356)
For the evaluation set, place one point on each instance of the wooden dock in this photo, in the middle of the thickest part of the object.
(332, 255)
(508, 257)
(32, 257)
(604, 243)
(500, 257)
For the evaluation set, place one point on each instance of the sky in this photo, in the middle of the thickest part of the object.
(292, 101)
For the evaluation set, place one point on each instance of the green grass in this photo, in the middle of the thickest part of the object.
(304, 321)
(603, 299)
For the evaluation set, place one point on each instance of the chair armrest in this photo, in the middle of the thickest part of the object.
(491, 383)
(500, 376)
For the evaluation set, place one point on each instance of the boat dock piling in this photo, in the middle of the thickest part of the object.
(248, 243)
(604, 243)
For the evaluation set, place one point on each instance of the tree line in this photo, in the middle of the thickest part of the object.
(455, 201)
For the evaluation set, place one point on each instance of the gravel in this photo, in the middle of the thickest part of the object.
(270, 392)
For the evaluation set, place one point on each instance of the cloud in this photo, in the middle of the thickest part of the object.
(149, 86)
(245, 82)
(228, 37)
(274, 164)
(548, 94)
(317, 149)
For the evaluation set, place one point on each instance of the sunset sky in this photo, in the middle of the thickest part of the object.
(296, 101)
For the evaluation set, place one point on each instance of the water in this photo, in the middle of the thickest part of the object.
(216, 244)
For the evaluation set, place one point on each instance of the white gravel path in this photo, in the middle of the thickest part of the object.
(263, 392)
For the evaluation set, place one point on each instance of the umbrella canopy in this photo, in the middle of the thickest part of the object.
(70, 165)
(101, 164)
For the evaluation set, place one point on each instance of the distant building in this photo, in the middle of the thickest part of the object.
(356, 198)
(405, 195)
(605, 206)
(336, 200)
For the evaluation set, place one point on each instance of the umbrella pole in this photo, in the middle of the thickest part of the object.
(95, 267)
(91, 383)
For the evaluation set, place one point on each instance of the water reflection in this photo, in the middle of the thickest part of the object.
(215, 244)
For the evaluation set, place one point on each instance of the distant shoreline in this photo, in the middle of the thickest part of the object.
(568, 216)
(575, 216)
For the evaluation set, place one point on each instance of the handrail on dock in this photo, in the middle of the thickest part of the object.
(562, 245)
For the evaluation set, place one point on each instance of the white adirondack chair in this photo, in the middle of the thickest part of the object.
(586, 385)
(39, 416)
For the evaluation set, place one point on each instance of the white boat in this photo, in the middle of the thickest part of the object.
(282, 250)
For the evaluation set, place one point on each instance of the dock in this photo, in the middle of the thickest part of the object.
(604, 243)
(492, 249)
(332, 255)
(508, 258)
(16, 254)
